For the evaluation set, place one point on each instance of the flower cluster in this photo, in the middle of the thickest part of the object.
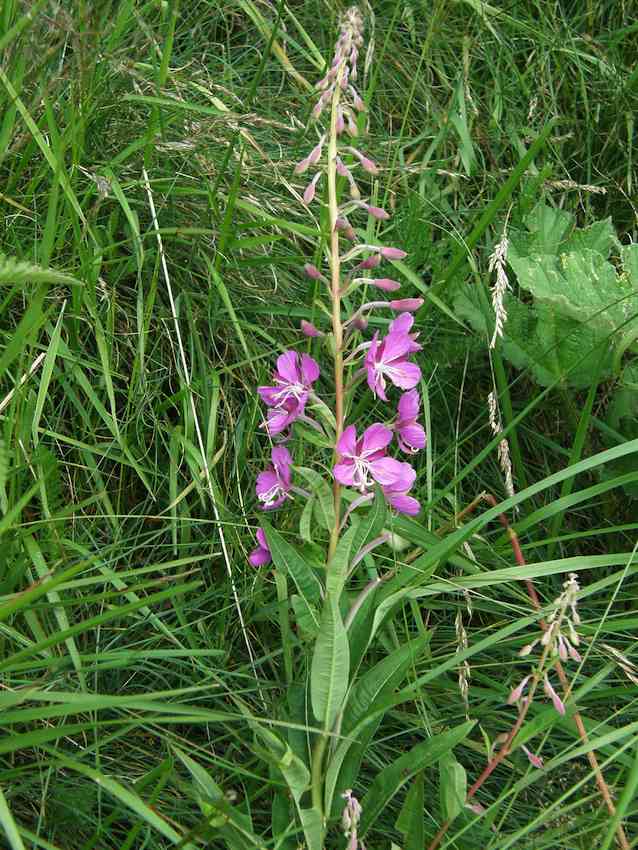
(385, 361)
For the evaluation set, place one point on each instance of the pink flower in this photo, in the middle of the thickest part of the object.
(273, 484)
(293, 381)
(364, 461)
(388, 358)
(396, 494)
(410, 435)
(261, 555)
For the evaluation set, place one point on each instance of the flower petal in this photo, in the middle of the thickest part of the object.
(261, 538)
(402, 324)
(403, 503)
(406, 375)
(344, 473)
(259, 557)
(411, 438)
(269, 395)
(347, 442)
(309, 369)
(408, 407)
(288, 367)
(374, 438)
(386, 470)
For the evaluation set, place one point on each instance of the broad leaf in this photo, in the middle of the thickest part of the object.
(323, 497)
(453, 787)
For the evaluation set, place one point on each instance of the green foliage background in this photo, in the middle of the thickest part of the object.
(134, 697)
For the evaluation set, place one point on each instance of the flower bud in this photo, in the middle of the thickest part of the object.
(368, 165)
(551, 693)
(517, 693)
(360, 323)
(385, 283)
(393, 253)
(409, 304)
(340, 123)
(378, 213)
(342, 170)
(302, 166)
(310, 330)
(312, 272)
(315, 153)
(370, 262)
(534, 760)
(309, 194)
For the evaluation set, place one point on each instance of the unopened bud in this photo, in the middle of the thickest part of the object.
(315, 153)
(409, 304)
(385, 283)
(393, 253)
(309, 194)
(377, 212)
(302, 166)
(534, 760)
(368, 165)
(360, 323)
(370, 262)
(517, 693)
(310, 330)
(312, 271)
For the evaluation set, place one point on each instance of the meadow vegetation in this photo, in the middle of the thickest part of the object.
(154, 684)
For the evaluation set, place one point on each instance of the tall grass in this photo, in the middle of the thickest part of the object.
(136, 640)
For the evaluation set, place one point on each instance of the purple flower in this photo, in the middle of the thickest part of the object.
(261, 555)
(273, 484)
(388, 358)
(396, 493)
(293, 381)
(363, 461)
(410, 435)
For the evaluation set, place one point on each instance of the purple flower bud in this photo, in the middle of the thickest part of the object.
(386, 283)
(312, 271)
(309, 329)
(562, 648)
(370, 262)
(368, 165)
(360, 323)
(353, 130)
(309, 194)
(356, 100)
(574, 654)
(517, 693)
(340, 123)
(535, 761)
(342, 170)
(315, 153)
(551, 693)
(377, 212)
(409, 304)
(344, 227)
(302, 166)
(393, 253)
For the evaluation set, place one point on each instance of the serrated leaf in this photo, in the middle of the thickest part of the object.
(452, 786)
(330, 666)
(322, 492)
(392, 778)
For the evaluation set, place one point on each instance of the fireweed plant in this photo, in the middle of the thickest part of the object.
(346, 503)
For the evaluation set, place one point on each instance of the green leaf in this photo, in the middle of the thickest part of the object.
(453, 787)
(367, 697)
(306, 617)
(330, 666)
(371, 522)
(305, 520)
(9, 826)
(293, 769)
(322, 492)
(287, 558)
(337, 569)
(410, 820)
(392, 778)
(312, 823)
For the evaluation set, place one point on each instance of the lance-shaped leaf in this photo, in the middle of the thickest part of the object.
(330, 666)
(322, 492)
